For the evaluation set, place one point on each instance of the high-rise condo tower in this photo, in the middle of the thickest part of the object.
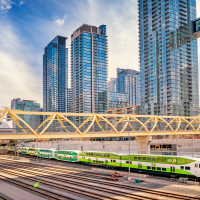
(168, 57)
(89, 69)
(55, 75)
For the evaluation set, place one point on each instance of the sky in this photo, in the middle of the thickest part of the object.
(27, 26)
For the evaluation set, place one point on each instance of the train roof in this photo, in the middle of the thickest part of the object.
(52, 149)
(100, 152)
(68, 150)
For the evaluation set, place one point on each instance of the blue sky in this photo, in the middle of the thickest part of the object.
(27, 26)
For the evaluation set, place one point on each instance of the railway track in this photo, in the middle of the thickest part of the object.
(3, 198)
(77, 187)
(62, 172)
(58, 174)
(97, 194)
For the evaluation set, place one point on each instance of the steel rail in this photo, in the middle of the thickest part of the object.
(131, 187)
(96, 188)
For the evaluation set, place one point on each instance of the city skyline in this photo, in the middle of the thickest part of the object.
(22, 47)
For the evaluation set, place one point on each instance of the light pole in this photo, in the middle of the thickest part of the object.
(129, 150)
(37, 150)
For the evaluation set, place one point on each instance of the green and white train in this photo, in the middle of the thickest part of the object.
(148, 164)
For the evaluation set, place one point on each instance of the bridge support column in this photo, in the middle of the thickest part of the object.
(143, 144)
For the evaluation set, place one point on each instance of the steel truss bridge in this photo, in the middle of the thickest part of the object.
(64, 125)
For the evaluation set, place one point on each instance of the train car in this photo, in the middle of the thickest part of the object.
(46, 153)
(10, 148)
(163, 165)
(67, 155)
(24, 150)
(32, 151)
(100, 158)
(149, 164)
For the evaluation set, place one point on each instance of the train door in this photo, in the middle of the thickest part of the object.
(139, 167)
(106, 162)
(172, 171)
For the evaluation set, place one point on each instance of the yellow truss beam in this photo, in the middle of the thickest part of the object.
(92, 118)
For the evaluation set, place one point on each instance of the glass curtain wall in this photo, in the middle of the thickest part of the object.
(168, 57)
(128, 81)
(55, 76)
(89, 70)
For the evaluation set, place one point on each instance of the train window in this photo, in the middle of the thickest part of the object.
(187, 168)
(159, 159)
(199, 165)
(158, 168)
(126, 162)
(91, 154)
(153, 168)
(135, 158)
(114, 160)
(169, 160)
(111, 160)
(153, 159)
(149, 159)
(174, 160)
(108, 155)
(182, 167)
(144, 158)
(163, 169)
(139, 158)
(163, 160)
(196, 165)
(106, 161)
(94, 160)
(148, 167)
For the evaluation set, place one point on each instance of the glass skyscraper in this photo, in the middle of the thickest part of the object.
(26, 105)
(112, 85)
(168, 57)
(128, 81)
(89, 67)
(117, 100)
(55, 75)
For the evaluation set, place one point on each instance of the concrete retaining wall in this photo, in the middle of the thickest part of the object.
(185, 147)
(104, 146)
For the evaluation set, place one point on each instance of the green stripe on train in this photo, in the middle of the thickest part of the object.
(134, 166)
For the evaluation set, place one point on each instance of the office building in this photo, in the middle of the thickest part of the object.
(89, 69)
(128, 81)
(26, 105)
(117, 100)
(112, 85)
(168, 57)
(55, 75)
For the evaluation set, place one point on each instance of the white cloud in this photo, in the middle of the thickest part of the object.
(6, 5)
(19, 77)
(121, 19)
(59, 22)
